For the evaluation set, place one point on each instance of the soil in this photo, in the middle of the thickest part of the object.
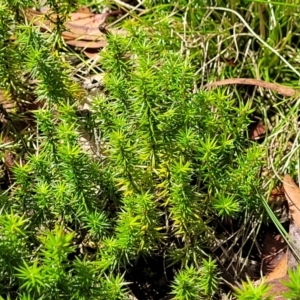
(150, 278)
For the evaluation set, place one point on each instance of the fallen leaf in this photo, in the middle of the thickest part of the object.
(288, 259)
(85, 26)
(258, 131)
(87, 44)
(82, 28)
(294, 232)
(273, 249)
(277, 288)
(92, 55)
(292, 193)
(280, 269)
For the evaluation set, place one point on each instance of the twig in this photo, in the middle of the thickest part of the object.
(281, 89)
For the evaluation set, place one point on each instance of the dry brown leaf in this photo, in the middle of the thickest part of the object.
(292, 193)
(258, 131)
(92, 55)
(288, 260)
(273, 248)
(294, 232)
(281, 89)
(277, 288)
(87, 44)
(85, 26)
(280, 270)
(82, 27)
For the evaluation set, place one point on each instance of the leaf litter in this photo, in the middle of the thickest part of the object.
(82, 27)
(288, 259)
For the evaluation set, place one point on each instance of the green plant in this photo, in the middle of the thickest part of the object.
(209, 278)
(174, 162)
(293, 284)
(250, 291)
(174, 153)
(226, 206)
(55, 196)
(192, 283)
(187, 284)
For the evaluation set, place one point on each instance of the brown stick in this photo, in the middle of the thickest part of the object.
(281, 89)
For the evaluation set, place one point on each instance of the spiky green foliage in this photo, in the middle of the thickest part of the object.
(167, 151)
(174, 162)
(172, 150)
(293, 284)
(191, 283)
(250, 291)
